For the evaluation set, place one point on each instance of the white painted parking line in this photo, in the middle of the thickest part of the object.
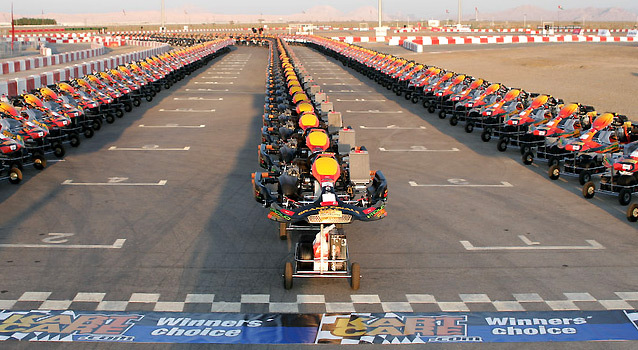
(527, 240)
(349, 91)
(211, 73)
(34, 296)
(89, 297)
(311, 298)
(359, 100)
(392, 127)
(147, 148)
(333, 78)
(579, 297)
(419, 149)
(592, 245)
(218, 77)
(503, 184)
(197, 99)
(627, 296)
(144, 298)
(374, 111)
(365, 299)
(214, 83)
(207, 90)
(340, 84)
(220, 68)
(71, 183)
(528, 298)
(119, 243)
(173, 126)
(187, 110)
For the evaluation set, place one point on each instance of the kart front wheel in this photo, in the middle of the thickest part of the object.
(589, 190)
(355, 279)
(528, 158)
(74, 140)
(442, 114)
(554, 172)
(89, 132)
(408, 95)
(624, 196)
(97, 124)
(632, 212)
(501, 146)
(58, 150)
(486, 136)
(119, 112)
(454, 120)
(15, 176)
(431, 108)
(39, 162)
(283, 231)
(109, 118)
(288, 275)
(415, 99)
(137, 102)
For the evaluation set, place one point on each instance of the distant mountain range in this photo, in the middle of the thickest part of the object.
(191, 15)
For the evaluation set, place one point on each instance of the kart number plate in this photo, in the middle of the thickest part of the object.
(330, 213)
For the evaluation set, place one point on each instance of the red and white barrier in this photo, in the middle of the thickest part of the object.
(37, 62)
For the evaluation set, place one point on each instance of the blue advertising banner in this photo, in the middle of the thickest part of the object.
(355, 328)
(412, 328)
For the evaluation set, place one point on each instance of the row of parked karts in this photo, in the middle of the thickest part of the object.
(316, 179)
(44, 121)
(573, 139)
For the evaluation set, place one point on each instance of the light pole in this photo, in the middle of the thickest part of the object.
(163, 19)
(459, 16)
(524, 20)
(379, 13)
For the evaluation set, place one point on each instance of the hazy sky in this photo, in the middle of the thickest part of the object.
(415, 8)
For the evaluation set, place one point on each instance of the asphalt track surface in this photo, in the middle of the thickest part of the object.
(202, 232)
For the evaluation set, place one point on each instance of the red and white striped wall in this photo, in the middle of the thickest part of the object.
(37, 62)
(416, 44)
(13, 87)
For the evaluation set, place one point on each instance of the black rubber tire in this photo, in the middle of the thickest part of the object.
(74, 140)
(355, 279)
(528, 158)
(624, 196)
(408, 96)
(486, 136)
(501, 146)
(454, 120)
(525, 149)
(109, 118)
(431, 108)
(58, 150)
(398, 92)
(167, 85)
(469, 127)
(283, 231)
(89, 132)
(15, 176)
(553, 161)
(589, 190)
(442, 114)
(415, 99)
(288, 275)
(584, 177)
(554, 172)
(426, 104)
(119, 112)
(137, 102)
(97, 124)
(128, 107)
(632, 213)
(149, 98)
(39, 162)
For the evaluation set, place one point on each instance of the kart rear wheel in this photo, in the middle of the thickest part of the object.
(486, 136)
(528, 158)
(624, 196)
(58, 150)
(415, 99)
(89, 132)
(119, 113)
(589, 190)
(109, 118)
(525, 149)
(288, 275)
(454, 120)
(426, 104)
(74, 140)
(408, 95)
(632, 212)
(355, 279)
(442, 114)
(584, 177)
(554, 172)
(128, 107)
(431, 108)
(469, 127)
(553, 161)
(149, 98)
(15, 176)
(39, 162)
(398, 92)
(137, 102)
(283, 231)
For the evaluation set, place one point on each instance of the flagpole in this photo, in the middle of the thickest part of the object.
(13, 30)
